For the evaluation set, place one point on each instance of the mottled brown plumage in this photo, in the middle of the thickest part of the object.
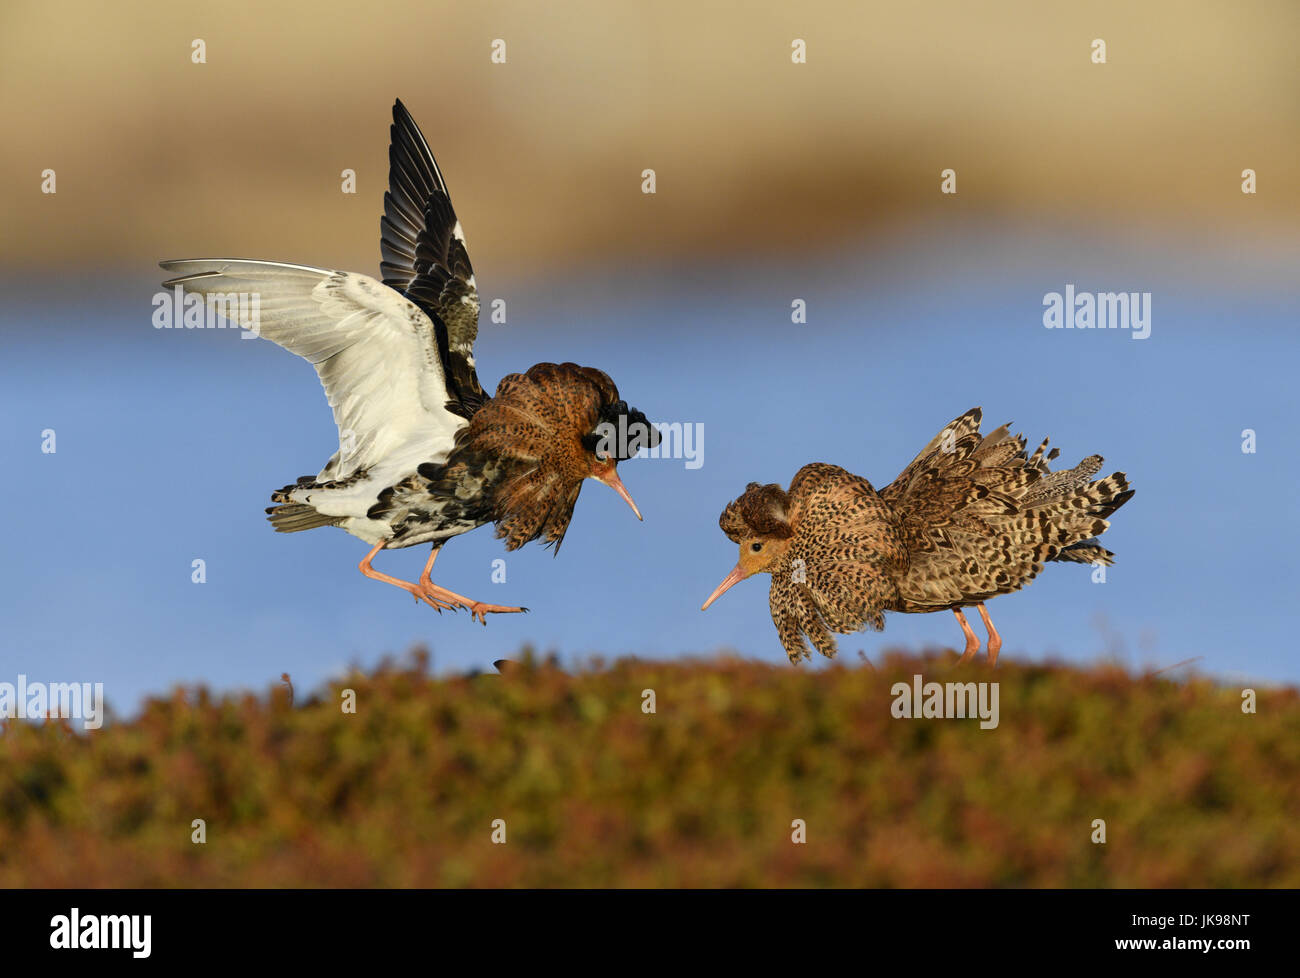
(522, 459)
(971, 517)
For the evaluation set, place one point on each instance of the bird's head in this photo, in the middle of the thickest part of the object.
(618, 433)
(758, 522)
(544, 433)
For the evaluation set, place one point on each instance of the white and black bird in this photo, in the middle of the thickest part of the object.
(424, 454)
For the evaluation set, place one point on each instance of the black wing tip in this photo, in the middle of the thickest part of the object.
(407, 140)
(404, 124)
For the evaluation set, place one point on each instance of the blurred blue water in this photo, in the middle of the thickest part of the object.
(169, 443)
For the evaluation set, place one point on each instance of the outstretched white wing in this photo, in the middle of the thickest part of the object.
(375, 351)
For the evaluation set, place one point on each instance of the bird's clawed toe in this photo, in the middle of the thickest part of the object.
(481, 610)
(441, 600)
(435, 604)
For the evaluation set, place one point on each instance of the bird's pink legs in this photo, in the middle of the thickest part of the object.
(995, 640)
(436, 597)
(375, 575)
(972, 643)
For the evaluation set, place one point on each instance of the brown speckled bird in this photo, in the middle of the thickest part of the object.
(424, 454)
(970, 518)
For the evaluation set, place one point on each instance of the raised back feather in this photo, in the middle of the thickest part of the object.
(980, 518)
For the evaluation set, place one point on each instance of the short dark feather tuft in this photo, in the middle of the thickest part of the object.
(760, 511)
(623, 429)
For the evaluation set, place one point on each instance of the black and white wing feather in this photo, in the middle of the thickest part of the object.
(425, 259)
(375, 351)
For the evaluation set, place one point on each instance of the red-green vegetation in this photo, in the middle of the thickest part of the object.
(596, 792)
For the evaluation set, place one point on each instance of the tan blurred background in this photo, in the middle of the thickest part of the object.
(158, 156)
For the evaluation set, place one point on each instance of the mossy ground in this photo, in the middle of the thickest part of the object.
(594, 791)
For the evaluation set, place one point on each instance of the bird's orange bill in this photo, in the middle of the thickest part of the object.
(735, 577)
(611, 479)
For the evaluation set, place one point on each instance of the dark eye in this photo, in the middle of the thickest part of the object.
(756, 547)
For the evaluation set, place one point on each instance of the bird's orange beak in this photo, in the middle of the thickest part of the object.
(609, 476)
(737, 575)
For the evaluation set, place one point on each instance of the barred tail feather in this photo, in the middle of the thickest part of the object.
(979, 516)
(1086, 552)
(292, 517)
